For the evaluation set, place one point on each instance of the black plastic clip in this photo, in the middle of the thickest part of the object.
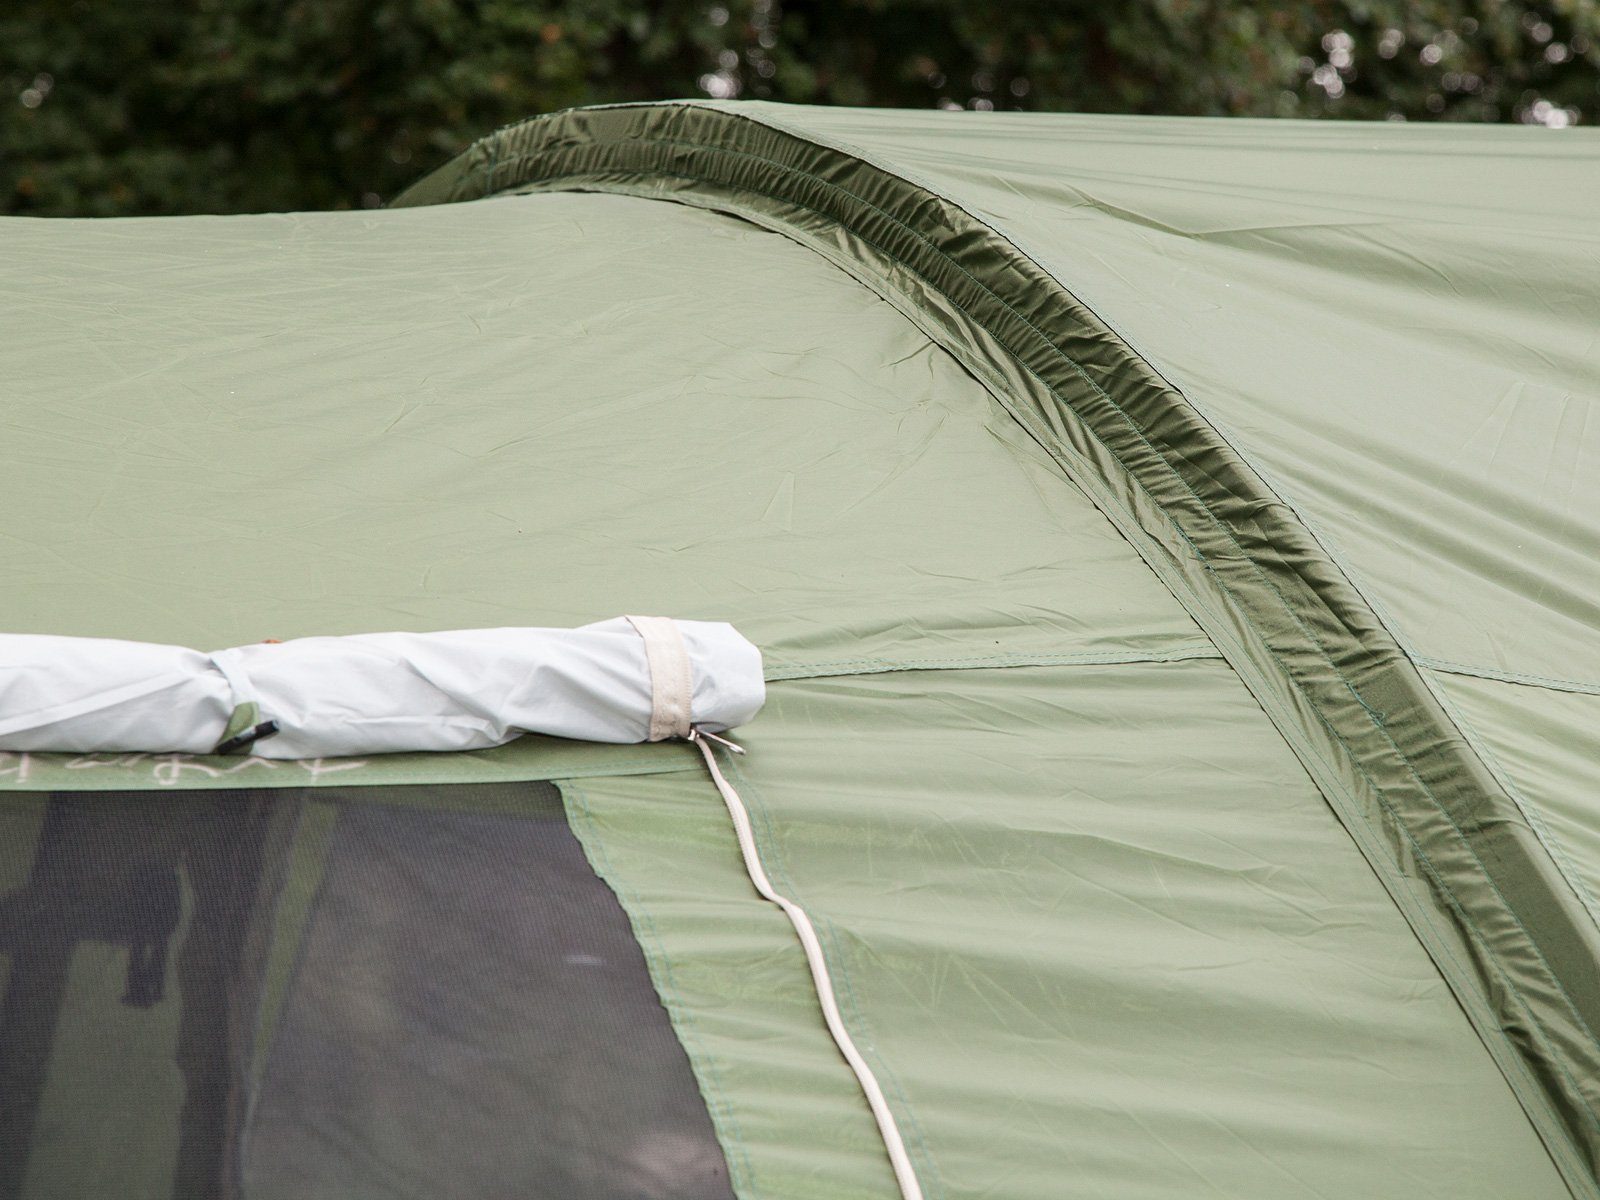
(246, 737)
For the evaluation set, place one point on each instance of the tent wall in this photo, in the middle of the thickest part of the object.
(1094, 927)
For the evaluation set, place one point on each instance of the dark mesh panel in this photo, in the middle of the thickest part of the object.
(404, 992)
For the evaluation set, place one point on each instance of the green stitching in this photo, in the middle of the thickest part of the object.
(1542, 681)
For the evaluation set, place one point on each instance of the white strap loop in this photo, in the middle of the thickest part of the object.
(671, 681)
(226, 661)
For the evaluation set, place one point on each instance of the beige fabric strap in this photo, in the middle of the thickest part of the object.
(671, 682)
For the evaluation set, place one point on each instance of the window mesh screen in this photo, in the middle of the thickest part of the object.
(400, 992)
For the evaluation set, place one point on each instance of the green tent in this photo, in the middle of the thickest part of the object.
(1175, 550)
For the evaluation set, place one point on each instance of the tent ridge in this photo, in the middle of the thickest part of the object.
(1476, 884)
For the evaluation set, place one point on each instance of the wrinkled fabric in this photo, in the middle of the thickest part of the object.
(1395, 325)
(1394, 322)
(535, 411)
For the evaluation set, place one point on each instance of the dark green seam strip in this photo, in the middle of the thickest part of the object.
(1349, 686)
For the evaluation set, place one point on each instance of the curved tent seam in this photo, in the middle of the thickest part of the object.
(1349, 702)
(1329, 546)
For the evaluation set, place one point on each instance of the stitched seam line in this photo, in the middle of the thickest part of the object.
(882, 666)
(1549, 683)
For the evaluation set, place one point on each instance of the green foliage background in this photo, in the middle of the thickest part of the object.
(112, 107)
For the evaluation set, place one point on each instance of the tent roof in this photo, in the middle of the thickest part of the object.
(1330, 381)
(1157, 530)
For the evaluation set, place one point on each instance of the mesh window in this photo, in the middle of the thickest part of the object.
(348, 993)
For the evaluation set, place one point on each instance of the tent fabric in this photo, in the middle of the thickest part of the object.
(1435, 819)
(377, 693)
(1154, 834)
(883, 1115)
(1393, 324)
(1065, 971)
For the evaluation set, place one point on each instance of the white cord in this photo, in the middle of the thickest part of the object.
(904, 1174)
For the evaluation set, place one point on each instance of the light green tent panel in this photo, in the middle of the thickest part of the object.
(974, 230)
(1122, 948)
(1394, 323)
(525, 412)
